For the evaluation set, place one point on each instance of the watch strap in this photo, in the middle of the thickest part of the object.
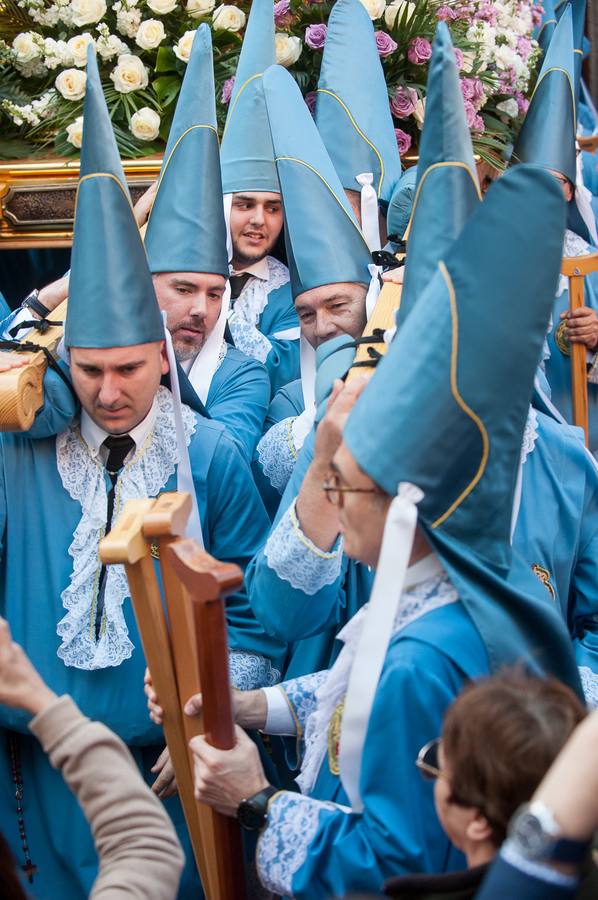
(33, 302)
(252, 812)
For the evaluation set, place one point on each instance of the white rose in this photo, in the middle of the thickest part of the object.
(288, 49)
(77, 48)
(74, 132)
(396, 8)
(161, 7)
(197, 8)
(130, 74)
(71, 84)
(509, 107)
(26, 46)
(87, 12)
(375, 8)
(145, 124)
(151, 33)
(229, 18)
(182, 49)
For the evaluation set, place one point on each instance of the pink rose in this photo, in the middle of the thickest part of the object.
(403, 140)
(282, 13)
(459, 58)
(470, 112)
(315, 36)
(227, 89)
(385, 43)
(467, 88)
(524, 48)
(487, 13)
(446, 14)
(311, 98)
(403, 103)
(420, 51)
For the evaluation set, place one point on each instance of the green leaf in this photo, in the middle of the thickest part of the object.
(167, 88)
(166, 60)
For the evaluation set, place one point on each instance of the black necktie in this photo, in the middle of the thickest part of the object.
(118, 446)
(237, 283)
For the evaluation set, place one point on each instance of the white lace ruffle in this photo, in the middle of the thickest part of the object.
(283, 845)
(589, 683)
(277, 455)
(574, 245)
(301, 694)
(249, 340)
(249, 671)
(84, 478)
(530, 434)
(297, 560)
(429, 594)
(253, 299)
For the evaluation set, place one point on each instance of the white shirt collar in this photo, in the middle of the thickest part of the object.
(94, 436)
(427, 567)
(259, 269)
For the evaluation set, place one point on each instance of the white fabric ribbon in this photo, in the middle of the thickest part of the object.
(307, 361)
(397, 542)
(206, 361)
(370, 225)
(184, 474)
(582, 198)
(373, 289)
(227, 202)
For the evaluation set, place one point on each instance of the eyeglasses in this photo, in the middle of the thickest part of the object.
(427, 760)
(334, 489)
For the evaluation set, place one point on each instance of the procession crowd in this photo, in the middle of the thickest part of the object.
(362, 375)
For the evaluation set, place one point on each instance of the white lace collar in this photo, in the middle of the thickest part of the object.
(187, 364)
(84, 478)
(430, 590)
(573, 245)
(253, 299)
(530, 435)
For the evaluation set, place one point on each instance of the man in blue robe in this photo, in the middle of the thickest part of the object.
(263, 322)
(59, 495)
(441, 610)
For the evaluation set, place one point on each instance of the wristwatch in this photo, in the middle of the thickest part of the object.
(33, 302)
(535, 834)
(253, 812)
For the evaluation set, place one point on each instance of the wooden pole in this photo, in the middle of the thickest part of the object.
(205, 583)
(382, 318)
(126, 545)
(575, 268)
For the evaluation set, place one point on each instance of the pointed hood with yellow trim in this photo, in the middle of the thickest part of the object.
(446, 408)
(112, 302)
(186, 231)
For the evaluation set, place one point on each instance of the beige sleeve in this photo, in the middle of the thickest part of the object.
(139, 853)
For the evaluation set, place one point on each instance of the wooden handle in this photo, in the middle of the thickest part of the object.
(576, 268)
(382, 318)
(589, 143)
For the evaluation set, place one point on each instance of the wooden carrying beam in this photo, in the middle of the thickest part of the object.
(205, 583)
(575, 268)
(21, 389)
(382, 318)
(126, 545)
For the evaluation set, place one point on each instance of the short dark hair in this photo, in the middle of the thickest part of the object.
(499, 738)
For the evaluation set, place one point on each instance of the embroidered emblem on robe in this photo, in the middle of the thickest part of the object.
(544, 576)
(155, 550)
(561, 339)
(334, 738)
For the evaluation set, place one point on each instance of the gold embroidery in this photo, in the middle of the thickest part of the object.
(155, 550)
(561, 339)
(334, 738)
(544, 576)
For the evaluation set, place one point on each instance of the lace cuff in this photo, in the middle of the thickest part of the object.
(300, 694)
(249, 340)
(277, 454)
(249, 671)
(282, 848)
(297, 560)
(593, 370)
(589, 683)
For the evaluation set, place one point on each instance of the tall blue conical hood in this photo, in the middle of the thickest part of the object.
(446, 407)
(247, 155)
(352, 113)
(186, 231)
(543, 34)
(400, 207)
(447, 190)
(111, 296)
(323, 241)
(578, 13)
(547, 136)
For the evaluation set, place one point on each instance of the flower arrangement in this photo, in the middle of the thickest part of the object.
(143, 47)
